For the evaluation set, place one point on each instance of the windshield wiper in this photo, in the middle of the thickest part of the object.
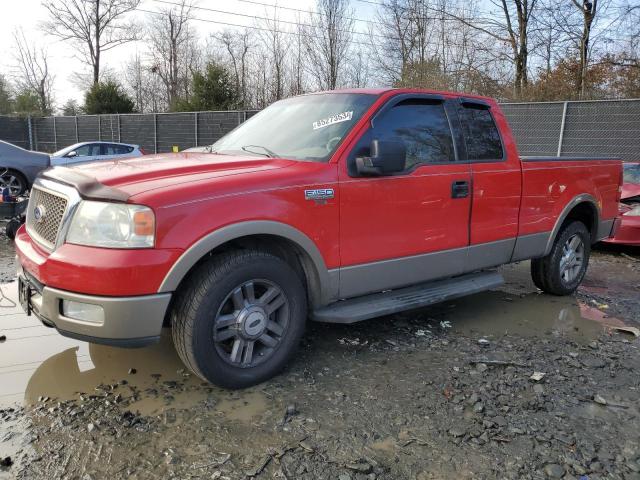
(268, 153)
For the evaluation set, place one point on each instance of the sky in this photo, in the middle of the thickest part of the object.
(29, 14)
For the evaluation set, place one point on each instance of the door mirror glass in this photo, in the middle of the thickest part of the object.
(387, 157)
(72, 154)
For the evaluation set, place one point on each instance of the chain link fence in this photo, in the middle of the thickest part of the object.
(606, 128)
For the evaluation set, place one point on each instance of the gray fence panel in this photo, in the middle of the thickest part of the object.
(15, 130)
(536, 126)
(43, 134)
(214, 125)
(88, 128)
(176, 129)
(603, 128)
(109, 130)
(65, 131)
(139, 130)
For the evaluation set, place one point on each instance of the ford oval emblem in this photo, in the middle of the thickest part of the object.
(39, 213)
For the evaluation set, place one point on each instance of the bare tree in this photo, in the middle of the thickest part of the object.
(512, 29)
(172, 49)
(589, 10)
(237, 46)
(32, 71)
(143, 85)
(297, 83)
(394, 54)
(517, 17)
(95, 26)
(328, 40)
(276, 49)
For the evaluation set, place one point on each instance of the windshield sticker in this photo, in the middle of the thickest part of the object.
(337, 118)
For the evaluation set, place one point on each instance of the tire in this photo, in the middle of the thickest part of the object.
(563, 269)
(16, 182)
(225, 308)
(12, 228)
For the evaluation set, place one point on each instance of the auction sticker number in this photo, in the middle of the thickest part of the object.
(337, 118)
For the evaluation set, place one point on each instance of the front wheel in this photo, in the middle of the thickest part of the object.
(563, 269)
(14, 181)
(239, 318)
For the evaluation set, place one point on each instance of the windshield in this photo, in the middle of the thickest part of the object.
(309, 127)
(632, 173)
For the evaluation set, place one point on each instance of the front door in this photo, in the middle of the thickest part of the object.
(412, 226)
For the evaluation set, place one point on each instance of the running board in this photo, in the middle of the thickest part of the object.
(409, 298)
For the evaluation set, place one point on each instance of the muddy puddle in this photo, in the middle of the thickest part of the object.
(532, 315)
(37, 363)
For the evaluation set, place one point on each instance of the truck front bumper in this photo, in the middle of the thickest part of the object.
(119, 321)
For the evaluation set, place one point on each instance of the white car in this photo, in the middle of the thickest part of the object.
(94, 151)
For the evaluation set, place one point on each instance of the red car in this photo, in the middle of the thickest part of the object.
(629, 229)
(336, 206)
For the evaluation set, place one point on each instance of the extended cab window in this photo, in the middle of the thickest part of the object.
(481, 134)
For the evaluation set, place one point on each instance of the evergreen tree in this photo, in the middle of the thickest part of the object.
(107, 97)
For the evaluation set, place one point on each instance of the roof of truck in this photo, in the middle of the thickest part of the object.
(381, 90)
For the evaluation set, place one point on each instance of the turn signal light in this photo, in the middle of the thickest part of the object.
(144, 223)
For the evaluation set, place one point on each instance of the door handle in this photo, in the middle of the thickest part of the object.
(460, 189)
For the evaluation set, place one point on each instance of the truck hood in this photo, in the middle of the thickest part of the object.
(125, 178)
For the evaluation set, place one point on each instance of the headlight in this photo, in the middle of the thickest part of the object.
(112, 225)
(634, 212)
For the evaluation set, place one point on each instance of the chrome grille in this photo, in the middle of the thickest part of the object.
(44, 225)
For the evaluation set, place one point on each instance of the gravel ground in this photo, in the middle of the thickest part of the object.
(505, 384)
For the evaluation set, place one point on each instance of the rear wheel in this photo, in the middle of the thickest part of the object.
(239, 318)
(563, 269)
(15, 181)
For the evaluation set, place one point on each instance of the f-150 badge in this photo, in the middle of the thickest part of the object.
(319, 194)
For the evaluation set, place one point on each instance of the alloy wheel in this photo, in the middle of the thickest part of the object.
(12, 182)
(572, 259)
(251, 323)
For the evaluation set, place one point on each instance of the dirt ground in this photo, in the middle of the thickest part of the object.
(510, 383)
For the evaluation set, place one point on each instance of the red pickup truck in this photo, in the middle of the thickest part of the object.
(338, 206)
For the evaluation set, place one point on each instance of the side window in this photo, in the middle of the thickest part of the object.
(121, 149)
(88, 150)
(423, 128)
(481, 134)
(112, 149)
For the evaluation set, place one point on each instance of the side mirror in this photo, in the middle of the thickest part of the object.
(71, 154)
(387, 157)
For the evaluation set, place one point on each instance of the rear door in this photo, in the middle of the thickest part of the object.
(497, 184)
(406, 228)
